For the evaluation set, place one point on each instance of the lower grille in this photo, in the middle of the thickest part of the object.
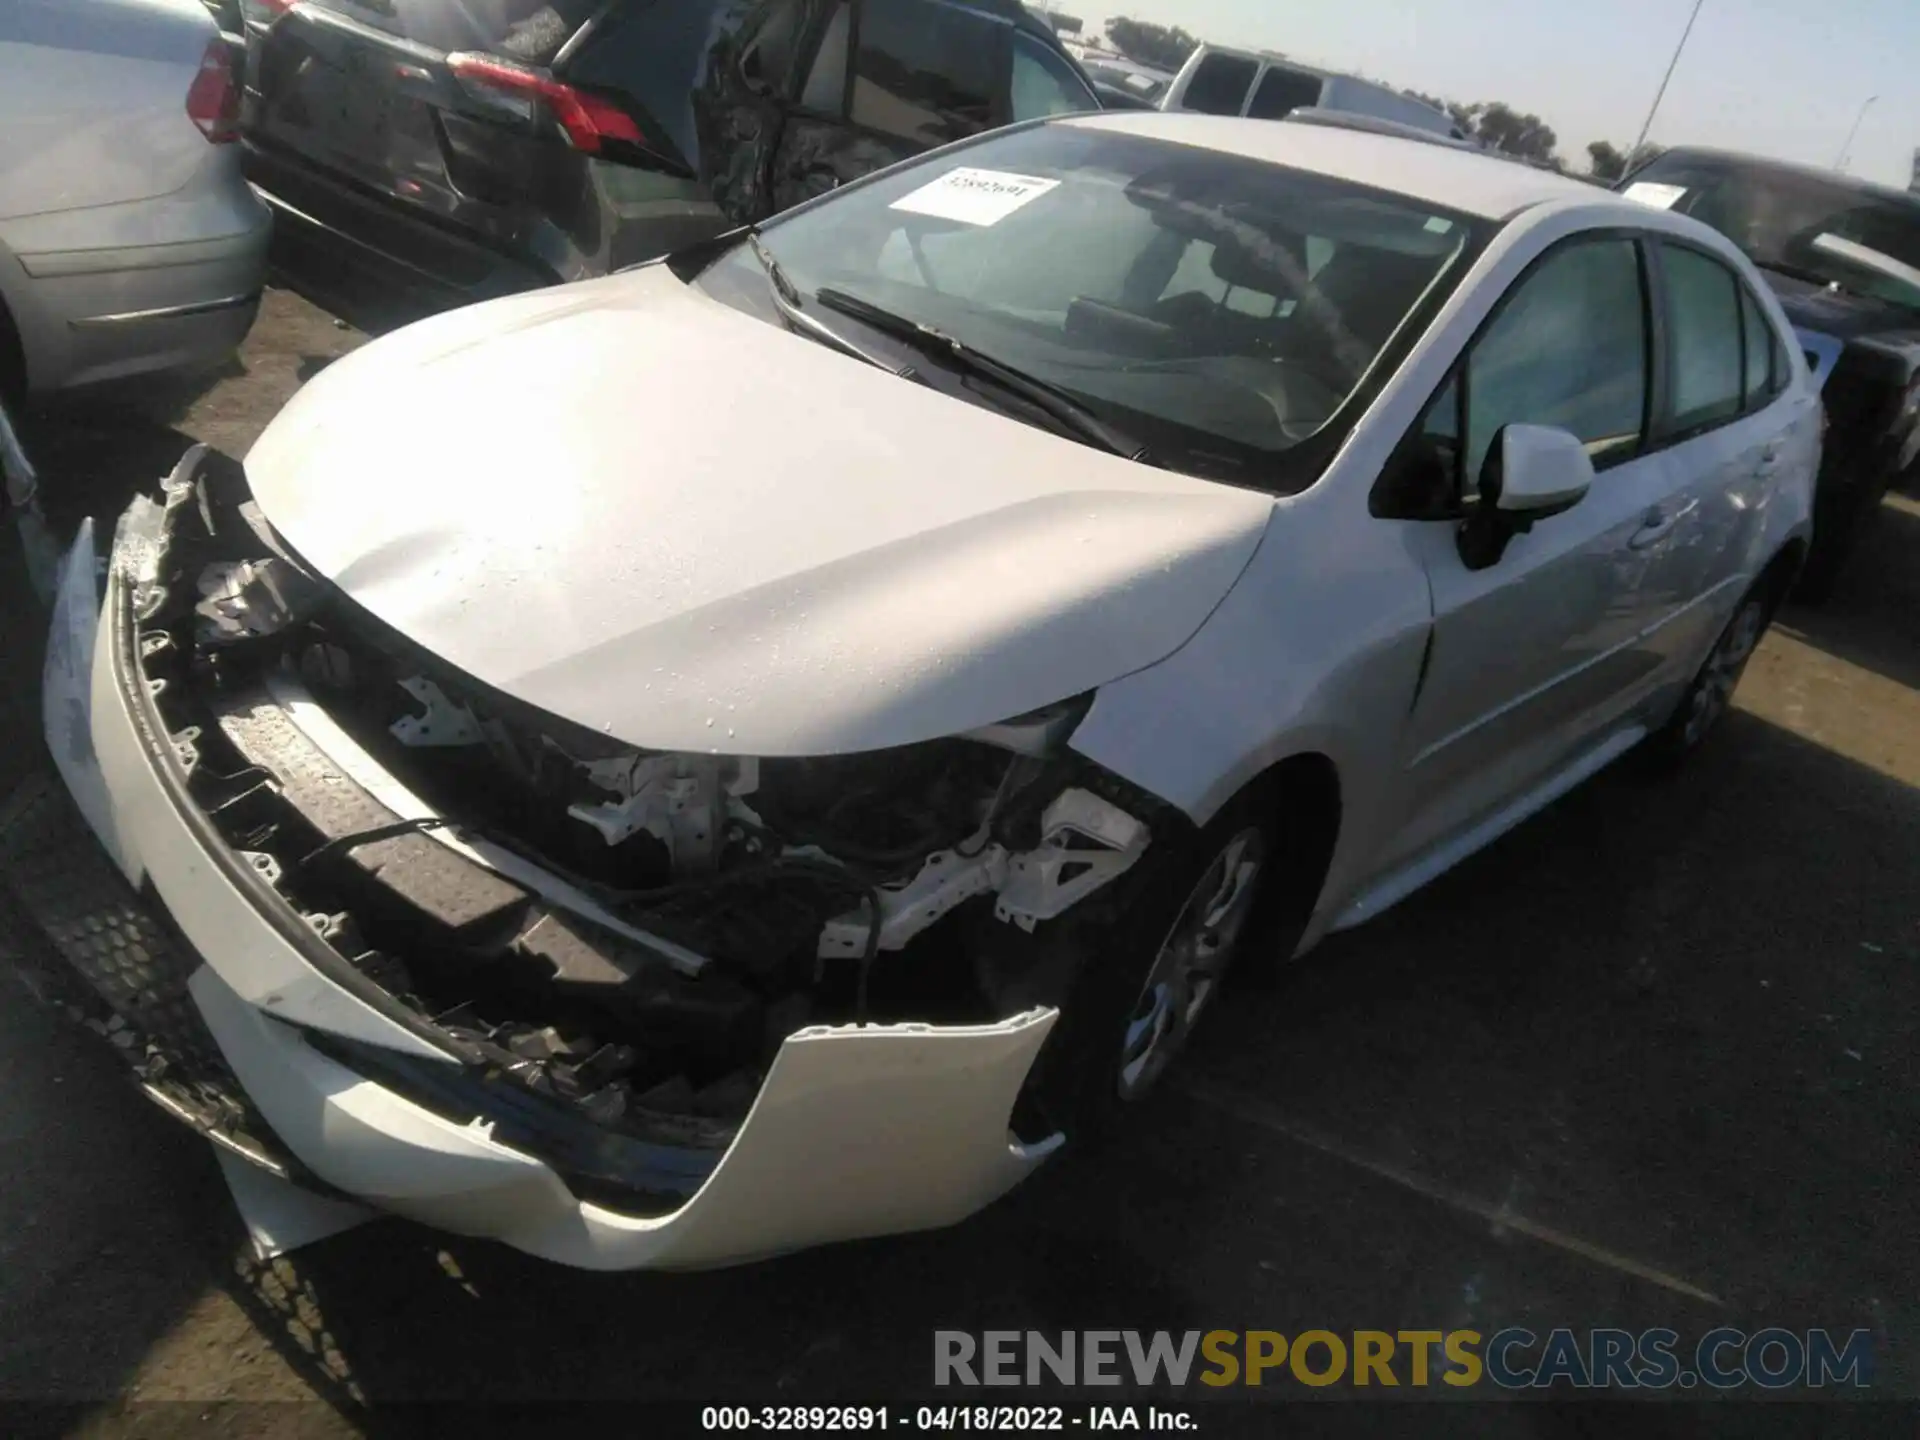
(125, 972)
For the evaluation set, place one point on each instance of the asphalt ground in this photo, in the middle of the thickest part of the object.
(1648, 1061)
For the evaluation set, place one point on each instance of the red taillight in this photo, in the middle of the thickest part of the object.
(588, 120)
(276, 8)
(213, 100)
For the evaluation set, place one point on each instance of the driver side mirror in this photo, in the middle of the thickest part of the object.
(1532, 473)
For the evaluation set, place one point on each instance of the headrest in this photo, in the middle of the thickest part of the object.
(1260, 265)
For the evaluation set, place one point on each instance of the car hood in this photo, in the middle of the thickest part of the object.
(658, 517)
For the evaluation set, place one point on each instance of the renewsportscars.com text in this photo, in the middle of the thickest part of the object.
(1510, 1359)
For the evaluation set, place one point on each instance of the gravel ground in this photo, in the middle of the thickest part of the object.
(1649, 1060)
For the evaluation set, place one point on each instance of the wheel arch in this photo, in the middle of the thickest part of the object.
(1307, 798)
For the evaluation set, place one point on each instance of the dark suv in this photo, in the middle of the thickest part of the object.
(458, 149)
(1843, 255)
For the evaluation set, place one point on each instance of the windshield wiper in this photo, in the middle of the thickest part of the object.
(1049, 399)
(786, 299)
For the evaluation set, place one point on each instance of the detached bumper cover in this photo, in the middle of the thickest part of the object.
(857, 1131)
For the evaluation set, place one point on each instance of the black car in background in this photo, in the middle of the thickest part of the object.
(452, 150)
(227, 15)
(1844, 257)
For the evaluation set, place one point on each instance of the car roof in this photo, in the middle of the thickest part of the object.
(1462, 180)
(1741, 160)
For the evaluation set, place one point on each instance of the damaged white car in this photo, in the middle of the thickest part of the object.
(757, 749)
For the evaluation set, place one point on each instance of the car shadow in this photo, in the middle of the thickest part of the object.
(1676, 1020)
(92, 453)
(1873, 619)
(337, 288)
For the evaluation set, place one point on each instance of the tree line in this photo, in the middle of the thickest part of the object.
(1493, 124)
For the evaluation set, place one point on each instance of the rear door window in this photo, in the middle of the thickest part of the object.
(1281, 92)
(773, 47)
(826, 89)
(649, 54)
(925, 71)
(1044, 83)
(1219, 85)
(1706, 353)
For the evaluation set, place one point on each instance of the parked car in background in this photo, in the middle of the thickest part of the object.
(464, 150)
(1217, 80)
(1844, 257)
(1122, 84)
(230, 16)
(129, 241)
(834, 739)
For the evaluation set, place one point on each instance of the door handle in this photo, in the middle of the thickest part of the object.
(1655, 528)
(1769, 459)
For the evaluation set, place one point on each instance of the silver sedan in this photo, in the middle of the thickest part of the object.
(129, 241)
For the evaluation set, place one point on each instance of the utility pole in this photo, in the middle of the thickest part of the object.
(1661, 94)
(1841, 160)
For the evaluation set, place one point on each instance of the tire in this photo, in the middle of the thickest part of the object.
(1175, 932)
(1710, 695)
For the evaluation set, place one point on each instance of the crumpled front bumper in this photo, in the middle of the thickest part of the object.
(857, 1130)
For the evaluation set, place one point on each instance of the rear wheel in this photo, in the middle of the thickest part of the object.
(1711, 695)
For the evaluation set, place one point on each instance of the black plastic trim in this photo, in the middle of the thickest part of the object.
(268, 902)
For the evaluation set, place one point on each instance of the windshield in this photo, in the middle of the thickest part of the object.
(1827, 231)
(1220, 309)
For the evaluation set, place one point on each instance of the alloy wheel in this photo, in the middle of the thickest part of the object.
(1191, 961)
(1713, 691)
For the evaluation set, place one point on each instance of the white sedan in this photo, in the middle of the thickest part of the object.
(762, 748)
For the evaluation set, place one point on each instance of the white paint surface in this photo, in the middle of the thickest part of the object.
(281, 1217)
(858, 1130)
(627, 504)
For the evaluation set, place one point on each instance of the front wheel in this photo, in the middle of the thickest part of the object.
(1192, 961)
(1152, 967)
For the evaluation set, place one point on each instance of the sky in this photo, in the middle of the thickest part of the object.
(1776, 77)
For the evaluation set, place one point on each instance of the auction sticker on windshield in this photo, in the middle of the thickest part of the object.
(974, 197)
(1661, 197)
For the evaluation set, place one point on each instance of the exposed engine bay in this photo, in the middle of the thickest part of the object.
(626, 935)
